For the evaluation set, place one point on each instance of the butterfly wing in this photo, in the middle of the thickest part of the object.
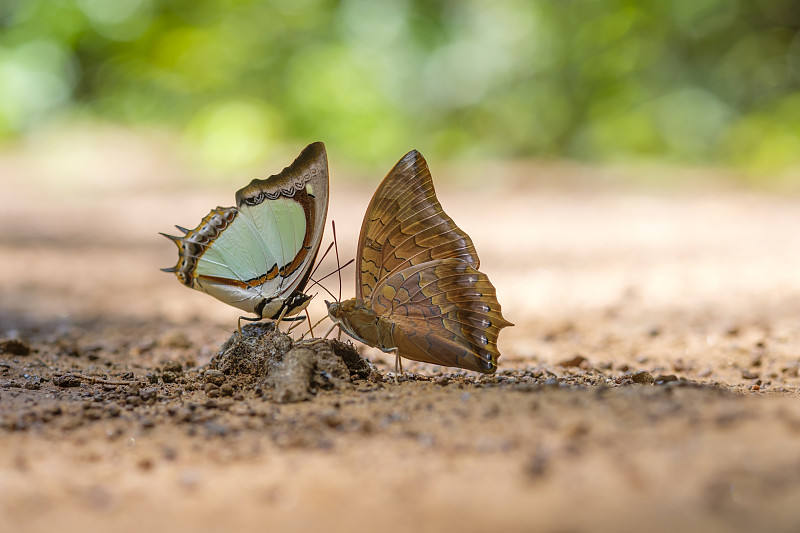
(405, 225)
(259, 254)
(443, 312)
(296, 203)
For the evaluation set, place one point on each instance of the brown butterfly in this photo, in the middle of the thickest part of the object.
(419, 293)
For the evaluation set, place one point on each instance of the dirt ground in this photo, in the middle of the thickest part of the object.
(650, 383)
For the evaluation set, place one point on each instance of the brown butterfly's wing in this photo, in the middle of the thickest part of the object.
(444, 312)
(405, 226)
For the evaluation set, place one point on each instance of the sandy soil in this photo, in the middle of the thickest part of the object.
(651, 380)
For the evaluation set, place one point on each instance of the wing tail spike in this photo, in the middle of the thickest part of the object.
(264, 248)
(173, 238)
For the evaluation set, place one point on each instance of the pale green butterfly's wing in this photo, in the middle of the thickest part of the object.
(258, 256)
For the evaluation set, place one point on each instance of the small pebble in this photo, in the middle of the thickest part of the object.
(33, 383)
(173, 366)
(169, 377)
(148, 394)
(643, 377)
(748, 374)
(575, 361)
(67, 380)
(331, 418)
(214, 376)
(662, 379)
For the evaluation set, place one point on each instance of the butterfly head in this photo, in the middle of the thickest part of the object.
(355, 319)
(335, 311)
(297, 302)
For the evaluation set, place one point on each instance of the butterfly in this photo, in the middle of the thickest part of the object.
(258, 255)
(419, 293)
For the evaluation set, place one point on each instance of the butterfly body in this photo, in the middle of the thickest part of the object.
(363, 324)
(419, 292)
(258, 255)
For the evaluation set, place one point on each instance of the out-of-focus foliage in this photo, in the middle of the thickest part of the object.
(689, 81)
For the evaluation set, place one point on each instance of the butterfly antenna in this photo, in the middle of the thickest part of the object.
(319, 263)
(338, 269)
(316, 281)
(322, 287)
(338, 264)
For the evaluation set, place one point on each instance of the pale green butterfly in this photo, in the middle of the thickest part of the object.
(258, 255)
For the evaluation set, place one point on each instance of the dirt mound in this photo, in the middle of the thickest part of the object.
(268, 362)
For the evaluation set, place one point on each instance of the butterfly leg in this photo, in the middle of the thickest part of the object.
(297, 323)
(398, 365)
(321, 339)
(249, 319)
(310, 330)
(280, 317)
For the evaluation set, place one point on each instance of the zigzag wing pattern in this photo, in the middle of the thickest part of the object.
(405, 225)
(444, 312)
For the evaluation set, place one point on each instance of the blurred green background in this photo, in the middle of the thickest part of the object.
(691, 82)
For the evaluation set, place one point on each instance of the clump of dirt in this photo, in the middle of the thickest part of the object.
(269, 363)
(14, 347)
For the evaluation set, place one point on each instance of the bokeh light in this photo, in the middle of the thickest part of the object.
(698, 82)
